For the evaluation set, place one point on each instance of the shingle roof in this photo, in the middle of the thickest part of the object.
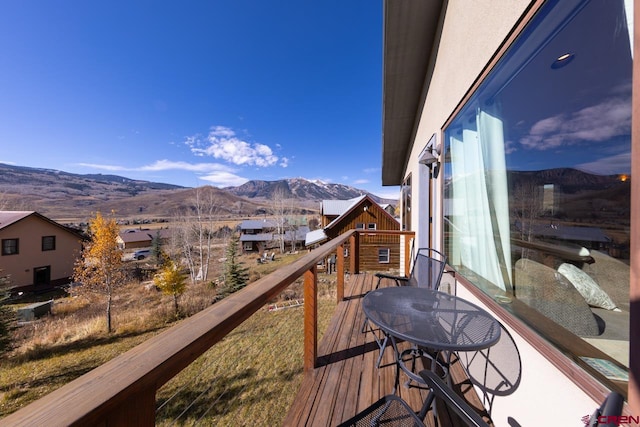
(9, 217)
(256, 224)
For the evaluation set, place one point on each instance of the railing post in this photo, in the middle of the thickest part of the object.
(340, 272)
(407, 256)
(310, 318)
(354, 242)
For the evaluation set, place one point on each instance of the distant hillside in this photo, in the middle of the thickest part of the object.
(63, 195)
(301, 189)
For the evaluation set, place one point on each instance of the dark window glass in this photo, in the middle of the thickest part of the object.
(10, 246)
(537, 174)
(48, 243)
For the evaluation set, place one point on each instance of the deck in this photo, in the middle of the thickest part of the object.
(346, 379)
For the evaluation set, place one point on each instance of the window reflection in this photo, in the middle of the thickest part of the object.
(538, 168)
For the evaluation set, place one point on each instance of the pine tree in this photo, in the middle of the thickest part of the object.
(100, 268)
(236, 275)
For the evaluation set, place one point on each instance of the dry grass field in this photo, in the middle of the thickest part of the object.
(248, 378)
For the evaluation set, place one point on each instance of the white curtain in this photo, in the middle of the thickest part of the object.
(480, 210)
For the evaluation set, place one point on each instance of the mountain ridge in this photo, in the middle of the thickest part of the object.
(64, 194)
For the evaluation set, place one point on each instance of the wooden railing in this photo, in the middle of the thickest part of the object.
(122, 391)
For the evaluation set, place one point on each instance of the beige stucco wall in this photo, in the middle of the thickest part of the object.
(472, 32)
(30, 231)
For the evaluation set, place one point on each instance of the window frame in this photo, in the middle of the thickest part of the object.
(51, 246)
(384, 253)
(551, 345)
(6, 252)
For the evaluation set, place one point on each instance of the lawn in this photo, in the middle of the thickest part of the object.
(249, 378)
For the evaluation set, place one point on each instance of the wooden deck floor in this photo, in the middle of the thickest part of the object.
(346, 380)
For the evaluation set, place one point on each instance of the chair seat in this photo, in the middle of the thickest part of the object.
(388, 411)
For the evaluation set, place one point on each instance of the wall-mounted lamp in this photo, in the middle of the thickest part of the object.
(430, 156)
(366, 208)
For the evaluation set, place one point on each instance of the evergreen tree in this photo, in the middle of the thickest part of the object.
(156, 249)
(236, 275)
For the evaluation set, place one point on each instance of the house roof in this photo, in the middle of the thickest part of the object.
(338, 207)
(315, 236)
(410, 28)
(565, 232)
(256, 224)
(130, 236)
(8, 218)
(355, 204)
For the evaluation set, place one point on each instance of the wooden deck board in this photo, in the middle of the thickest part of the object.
(346, 379)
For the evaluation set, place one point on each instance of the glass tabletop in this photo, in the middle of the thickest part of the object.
(431, 319)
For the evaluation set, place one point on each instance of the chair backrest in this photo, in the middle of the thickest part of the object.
(607, 414)
(495, 371)
(428, 267)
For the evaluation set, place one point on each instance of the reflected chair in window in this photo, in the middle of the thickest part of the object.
(494, 371)
(428, 267)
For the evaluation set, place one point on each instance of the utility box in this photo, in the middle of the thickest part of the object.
(34, 311)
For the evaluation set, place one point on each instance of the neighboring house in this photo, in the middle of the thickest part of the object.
(362, 213)
(136, 238)
(261, 235)
(37, 253)
(476, 91)
(256, 235)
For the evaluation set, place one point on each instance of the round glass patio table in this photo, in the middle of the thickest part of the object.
(432, 319)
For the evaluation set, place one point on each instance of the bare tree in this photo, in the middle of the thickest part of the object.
(280, 209)
(194, 234)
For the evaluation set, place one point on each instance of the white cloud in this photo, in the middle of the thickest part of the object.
(222, 143)
(361, 181)
(619, 163)
(597, 123)
(163, 165)
(371, 170)
(224, 179)
(112, 168)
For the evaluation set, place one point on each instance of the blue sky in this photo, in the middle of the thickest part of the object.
(195, 92)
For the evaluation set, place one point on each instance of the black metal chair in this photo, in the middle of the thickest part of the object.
(388, 411)
(604, 416)
(428, 267)
(426, 271)
(607, 414)
(494, 371)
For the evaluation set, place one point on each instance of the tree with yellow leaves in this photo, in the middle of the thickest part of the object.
(171, 281)
(100, 268)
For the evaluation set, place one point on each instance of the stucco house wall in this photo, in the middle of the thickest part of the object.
(30, 230)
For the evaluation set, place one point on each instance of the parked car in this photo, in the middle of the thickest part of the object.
(141, 254)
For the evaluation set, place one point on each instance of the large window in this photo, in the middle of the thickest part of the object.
(10, 247)
(537, 174)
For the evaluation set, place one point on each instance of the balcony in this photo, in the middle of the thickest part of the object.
(340, 374)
